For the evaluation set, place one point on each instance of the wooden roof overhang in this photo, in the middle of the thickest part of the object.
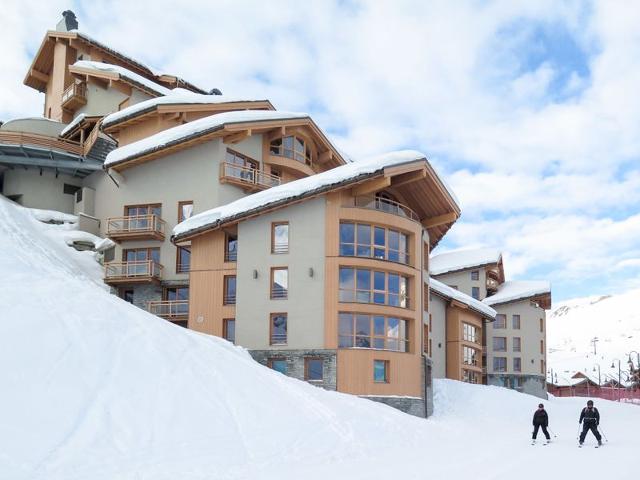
(233, 132)
(397, 173)
(106, 78)
(40, 68)
(86, 122)
(461, 305)
(542, 299)
(181, 108)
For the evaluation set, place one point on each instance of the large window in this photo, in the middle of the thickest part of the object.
(470, 356)
(499, 344)
(278, 329)
(241, 166)
(142, 261)
(515, 322)
(517, 364)
(501, 321)
(313, 369)
(292, 147)
(381, 371)
(229, 290)
(370, 286)
(364, 240)
(358, 330)
(470, 376)
(183, 259)
(499, 364)
(185, 210)
(279, 283)
(517, 344)
(280, 237)
(229, 329)
(469, 333)
(139, 216)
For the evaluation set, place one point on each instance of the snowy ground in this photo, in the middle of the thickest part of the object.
(614, 320)
(94, 388)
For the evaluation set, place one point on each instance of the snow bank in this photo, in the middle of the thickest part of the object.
(518, 289)
(52, 216)
(449, 292)
(200, 126)
(124, 73)
(462, 259)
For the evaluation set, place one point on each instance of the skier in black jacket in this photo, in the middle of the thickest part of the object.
(591, 418)
(540, 420)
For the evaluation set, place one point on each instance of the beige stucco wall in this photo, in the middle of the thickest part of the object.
(101, 101)
(40, 126)
(305, 302)
(40, 191)
(462, 280)
(438, 311)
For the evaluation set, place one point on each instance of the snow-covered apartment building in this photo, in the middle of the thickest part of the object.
(237, 220)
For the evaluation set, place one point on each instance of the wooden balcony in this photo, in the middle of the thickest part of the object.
(246, 177)
(174, 310)
(136, 227)
(33, 139)
(74, 96)
(122, 273)
(387, 206)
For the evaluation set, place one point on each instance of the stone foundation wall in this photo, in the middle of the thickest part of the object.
(411, 405)
(295, 363)
(531, 384)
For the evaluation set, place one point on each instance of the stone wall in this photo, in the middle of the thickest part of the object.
(295, 363)
(531, 384)
(411, 405)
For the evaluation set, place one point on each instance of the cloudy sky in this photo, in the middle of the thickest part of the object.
(530, 109)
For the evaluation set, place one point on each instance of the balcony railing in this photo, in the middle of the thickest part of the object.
(74, 96)
(28, 139)
(229, 299)
(145, 271)
(387, 206)
(231, 256)
(247, 176)
(170, 309)
(278, 339)
(136, 227)
(279, 293)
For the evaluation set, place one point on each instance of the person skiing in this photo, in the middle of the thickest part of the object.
(540, 420)
(591, 418)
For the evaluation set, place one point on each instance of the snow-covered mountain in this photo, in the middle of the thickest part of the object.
(614, 320)
(94, 388)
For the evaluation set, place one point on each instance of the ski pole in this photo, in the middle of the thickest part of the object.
(602, 432)
(552, 433)
(578, 437)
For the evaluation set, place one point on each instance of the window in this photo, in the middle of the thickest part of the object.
(517, 344)
(469, 333)
(541, 347)
(141, 261)
(313, 369)
(499, 364)
(126, 295)
(515, 322)
(475, 292)
(475, 275)
(79, 195)
(229, 290)
(292, 147)
(517, 364)
(139, 216)
(541, 325)
(470, 356)
(183, 259)
(185, 210)
(240, 166)
(175, 294)
(279, 283)
(499, 344)
(542, 367)
(280, 237)
(469, 376)
(501, 321)
(231, 248)
(70, 189)
(363, 240)
(278, 329)
(359, 330)
(278, 364)
(370, 286)
(229, 329)
(381, 371)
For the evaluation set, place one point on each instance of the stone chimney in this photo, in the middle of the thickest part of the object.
(68, 22)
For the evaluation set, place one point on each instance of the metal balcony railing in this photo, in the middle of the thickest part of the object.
(247, 176)
(170, 309)
(387, 206)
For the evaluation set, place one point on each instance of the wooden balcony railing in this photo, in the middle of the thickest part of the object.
(170, 309)
(386, 205)
(74, 96)
(136, 227)
(145, 271)
(36, 140)
(247, 176)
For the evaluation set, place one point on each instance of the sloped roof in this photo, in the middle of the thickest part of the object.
(456, 260)
(514, 290)
(87, 66)
(453, 294)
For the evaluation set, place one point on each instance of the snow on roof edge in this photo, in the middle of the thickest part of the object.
(452, 293)
(514, 290)
(124, 73)
(463, 259)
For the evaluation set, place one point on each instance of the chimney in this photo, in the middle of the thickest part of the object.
(68, 22)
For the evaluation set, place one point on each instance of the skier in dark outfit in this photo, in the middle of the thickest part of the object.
(540, 420)
(591, 418)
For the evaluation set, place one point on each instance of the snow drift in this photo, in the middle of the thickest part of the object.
(94, 388)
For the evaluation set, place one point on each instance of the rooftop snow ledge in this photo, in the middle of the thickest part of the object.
(198, 127)
(462, 260)
(124, 73)
(454, 294)
(296, 189)
(518, 290)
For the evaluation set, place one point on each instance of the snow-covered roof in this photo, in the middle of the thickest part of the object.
(72, 124)
(461, 297)
(518, 289)
(281, 194)
(126, 74)
(198, 127)
(178, 96)
(462, 259)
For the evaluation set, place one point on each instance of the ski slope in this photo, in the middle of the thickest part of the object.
(94, 388)
(614, 320)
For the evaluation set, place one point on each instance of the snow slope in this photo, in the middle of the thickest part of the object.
(94, 388)
(614, 320)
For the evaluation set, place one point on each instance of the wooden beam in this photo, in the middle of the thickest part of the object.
(440, 220)
(371, 186)
(277, 133)
(456, 303)
(38, 75)
(410, 177)
(236, 137)
(325, 157)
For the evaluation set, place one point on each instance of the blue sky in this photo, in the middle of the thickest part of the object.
(527, 108)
